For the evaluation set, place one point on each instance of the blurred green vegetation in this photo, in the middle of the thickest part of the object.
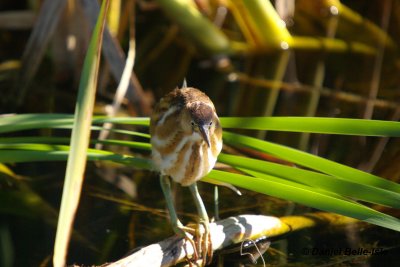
(333, 59)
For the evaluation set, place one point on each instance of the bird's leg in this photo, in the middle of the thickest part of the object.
(177, 226)
(204, 239)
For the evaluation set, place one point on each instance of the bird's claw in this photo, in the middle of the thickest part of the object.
(207, 250)
(201, 243)
(187, 234)
(204, 244)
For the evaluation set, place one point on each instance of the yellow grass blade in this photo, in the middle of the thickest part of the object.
(79, 142)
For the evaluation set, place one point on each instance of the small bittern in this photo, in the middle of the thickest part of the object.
(186, 138)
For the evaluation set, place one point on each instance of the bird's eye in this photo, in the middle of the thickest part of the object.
(210, 123)
(192, 123)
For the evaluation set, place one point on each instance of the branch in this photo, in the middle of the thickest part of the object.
(226, 232)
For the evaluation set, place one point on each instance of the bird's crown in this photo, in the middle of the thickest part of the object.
(201, 113)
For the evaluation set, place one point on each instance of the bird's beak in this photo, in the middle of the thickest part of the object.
(204, 133)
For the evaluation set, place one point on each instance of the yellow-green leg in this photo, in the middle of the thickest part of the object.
(177, 226)
(204, 239)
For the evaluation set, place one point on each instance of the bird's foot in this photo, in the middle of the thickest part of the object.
(201, 243)
(187, 234)
(205, 242)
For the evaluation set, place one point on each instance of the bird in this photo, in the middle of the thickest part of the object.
(186, 139)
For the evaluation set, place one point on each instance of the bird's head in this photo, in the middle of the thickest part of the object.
(202, 120)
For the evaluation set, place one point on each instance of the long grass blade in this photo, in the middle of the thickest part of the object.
(312, 161)
(307, 197)
(79, 142)
(60, 153)
(47, 20)
(315, 125)
(343, 126)
(316, 180)
(24, 142)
